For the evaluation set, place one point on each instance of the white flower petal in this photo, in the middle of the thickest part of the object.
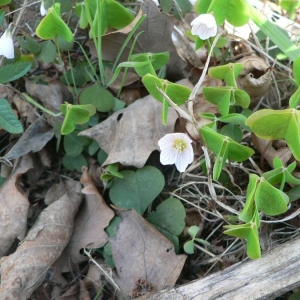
(204, 26)
(168, 156)
(7, 45)
(43, 10)
(184, 159)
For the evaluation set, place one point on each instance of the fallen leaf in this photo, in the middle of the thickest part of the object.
(131, 134)
(268, 152)
(36, 136)
(93, 217)
(24, 270)
(51, 94)
(153, 39)
(144, 258)
(14, 207)
(255, 78)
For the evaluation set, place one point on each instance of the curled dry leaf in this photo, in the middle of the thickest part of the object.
(255, 78)
(36, 136)
(94, 216)
(145, 259)
(131, 134)
(23, 271)
(13, 207)
(93, 279)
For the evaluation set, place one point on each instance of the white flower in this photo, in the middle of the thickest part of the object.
(156, 2)
(176, 148)
(204, 26)
(7, 45)
(43, 10)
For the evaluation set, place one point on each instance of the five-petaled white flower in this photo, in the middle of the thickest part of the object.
(43, 10)
(176, 148)
(7, 44)
(204, 26)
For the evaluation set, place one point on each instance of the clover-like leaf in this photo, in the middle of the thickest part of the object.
(227, 72)
(75, 114)
(276, 125)
(52, 25)
(137, 189)
(270, 200)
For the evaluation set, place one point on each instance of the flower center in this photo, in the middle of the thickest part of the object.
(180, 145)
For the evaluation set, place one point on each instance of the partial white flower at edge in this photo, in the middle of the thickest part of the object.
(176, 148)
(43, 10)
(7, 45)
(156, 2)
(204, 26)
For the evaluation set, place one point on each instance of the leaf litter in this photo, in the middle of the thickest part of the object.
(75, 222)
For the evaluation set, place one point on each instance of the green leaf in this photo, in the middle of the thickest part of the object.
(276, 125)
(193, 231)
(47, 53)
(233, 131)
(8, 119)
(33, 46)
(236, 119)
(169, 210)
(270, 200)
(189, 247)
(295, 99)
(74, 144)
(137, 189)
(75, 114)
(218, 96)
(158, 60)
(14, 71)
(4, 2)
(52, 25)
(227, 72)
(249, 209)
(111, 14)
(235, 12)
(296, 70)
(274, 33)
(98, 96)
(74, 162)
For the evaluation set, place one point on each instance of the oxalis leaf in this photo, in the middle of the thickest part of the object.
(137, 189)
(276, 125)
(8, 120)
(163, 219)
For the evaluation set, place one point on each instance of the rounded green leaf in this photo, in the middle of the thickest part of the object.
(271, 124)
(193, 231)
(74, 162)
(178, 93)
(169, 210)
(189, 247)
(296, 70)
(270, 200)
(137, 189)
(98, 96)
(233, 131)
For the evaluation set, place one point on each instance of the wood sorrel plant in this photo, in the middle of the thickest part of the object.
(263, 194)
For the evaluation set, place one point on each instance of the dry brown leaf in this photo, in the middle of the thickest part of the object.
(36, 136)
(94, 216)
(13, 96)
(153, 39)
(23, 271)
(131, 134)
(51, 95)
(14, 207)
(143, 256)
(268, 152)
(255, 78)
(93, 280)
